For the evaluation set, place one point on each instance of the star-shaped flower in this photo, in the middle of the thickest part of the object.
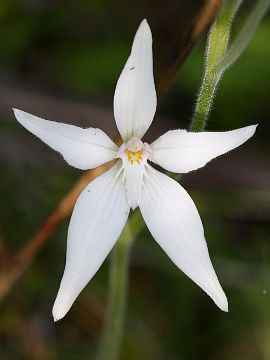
(103, 206)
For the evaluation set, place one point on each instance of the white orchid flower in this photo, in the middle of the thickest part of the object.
(103, 206)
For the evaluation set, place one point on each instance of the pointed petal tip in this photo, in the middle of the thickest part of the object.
(55, 319)
(16, 111)
(216, 293)
(59, 310)
(144, 22)
(18, 114)
(62, 303)
(224, 305)
(249, 131)
(145, 28)
(253, 128)
(221, 301)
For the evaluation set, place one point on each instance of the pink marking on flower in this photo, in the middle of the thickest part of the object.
(147, 151)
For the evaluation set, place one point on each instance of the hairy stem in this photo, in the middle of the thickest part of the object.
(219, 58)
(218, 39)
(204, 102)
(245, 34)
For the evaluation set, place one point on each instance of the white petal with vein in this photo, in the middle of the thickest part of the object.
(133, 177)
(175, 224)
(181, 151)
(97, 221)
(81, 148)
(135, 95)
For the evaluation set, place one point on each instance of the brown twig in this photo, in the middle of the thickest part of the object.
(183, 46)
(19, 261)
(15, 267)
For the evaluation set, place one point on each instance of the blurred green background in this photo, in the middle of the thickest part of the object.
(61, 60)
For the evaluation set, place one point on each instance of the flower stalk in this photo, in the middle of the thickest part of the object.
(245, 34)
(217, 43)
(117, 295)
(219, 56)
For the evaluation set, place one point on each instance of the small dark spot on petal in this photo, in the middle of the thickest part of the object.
(88, 190)
(132, 68)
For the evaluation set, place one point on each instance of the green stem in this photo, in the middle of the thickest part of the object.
(204, 102)
(217, 42)
(245, 34)
(219, 58)
(117, 297)
(113, 332)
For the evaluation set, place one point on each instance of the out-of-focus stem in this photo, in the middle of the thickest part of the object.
(184, 44)
(113, 332)
(117, 297)
(245, 34)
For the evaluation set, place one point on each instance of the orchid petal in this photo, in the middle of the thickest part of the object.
(181, 151)
(97, 221)
(175, 224)
(133, 176)
(81, 148)
(135, 96)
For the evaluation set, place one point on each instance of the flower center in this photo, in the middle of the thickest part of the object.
(134, 150)
(134, 155)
